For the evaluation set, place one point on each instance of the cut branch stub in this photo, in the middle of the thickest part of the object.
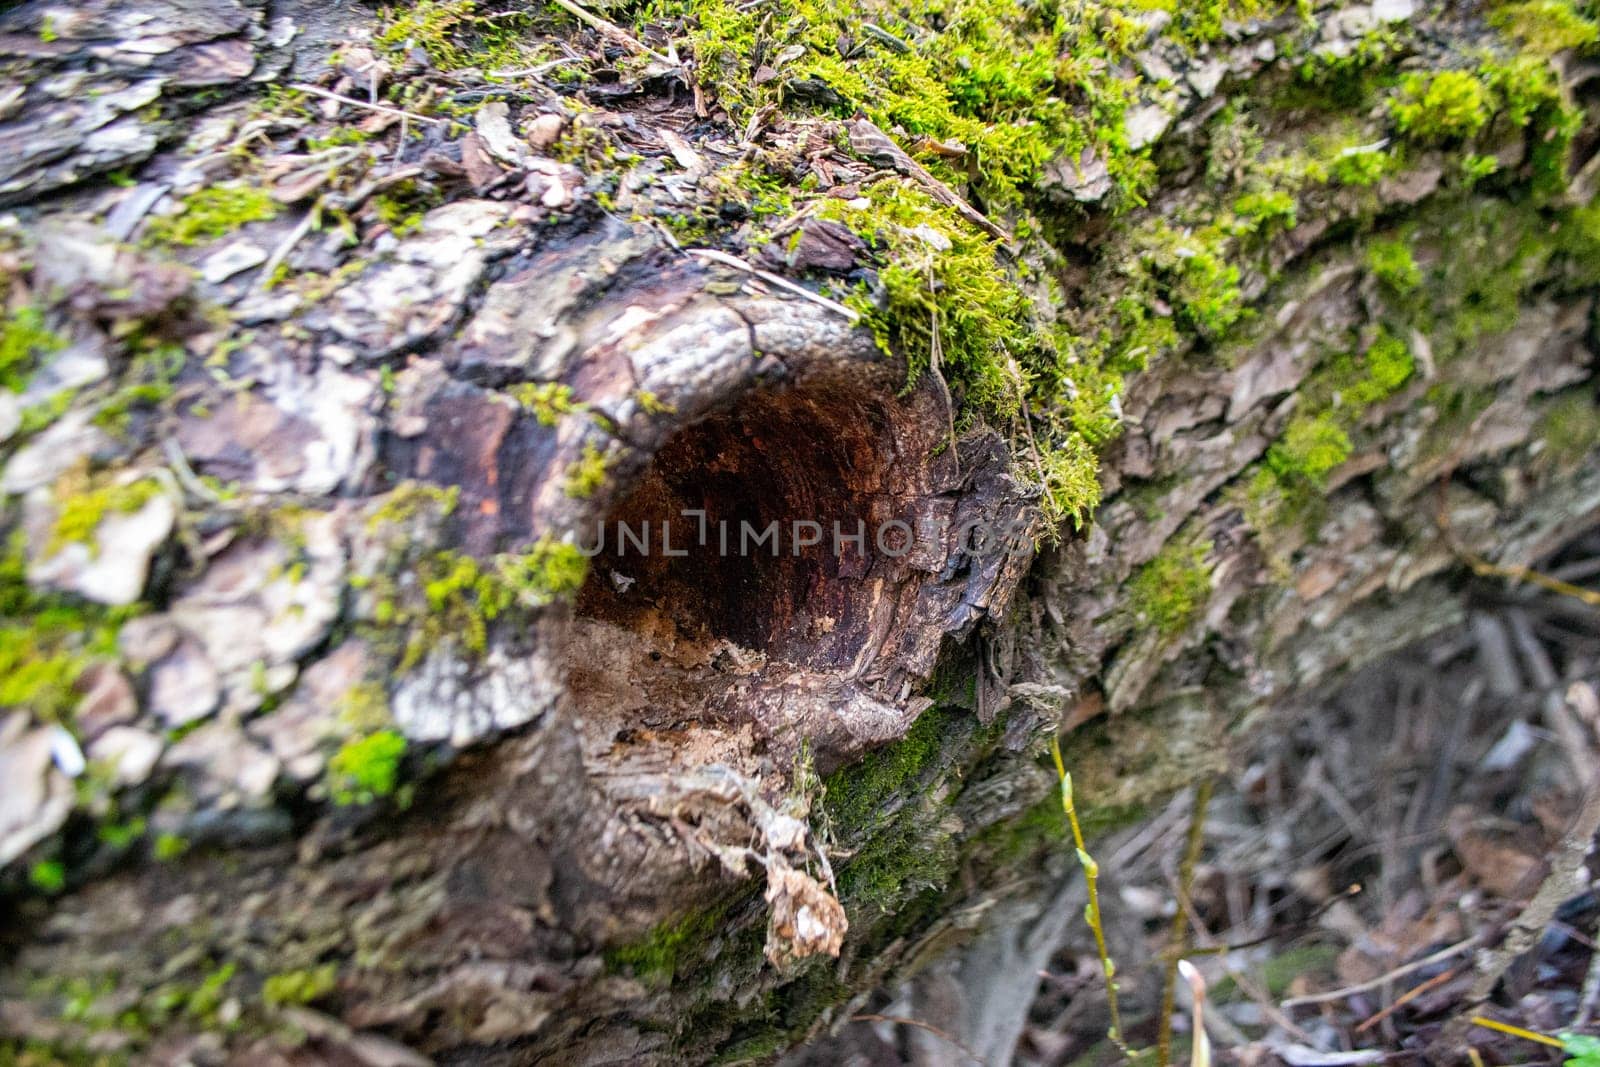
(791, 563)
(780, 535)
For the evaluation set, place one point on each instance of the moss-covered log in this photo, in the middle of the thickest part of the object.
(334, 338)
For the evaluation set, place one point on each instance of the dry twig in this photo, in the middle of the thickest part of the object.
(353, 102)
(773, 279)
(1407, 997)
(613, 31)
(1383, 979)
(902, 1020)
(872, 144)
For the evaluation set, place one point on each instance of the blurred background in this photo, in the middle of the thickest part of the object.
(1414, 843)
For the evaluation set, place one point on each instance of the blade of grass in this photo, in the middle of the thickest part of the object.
(1180, 920)
(1515, 1031)
(1200, 1051)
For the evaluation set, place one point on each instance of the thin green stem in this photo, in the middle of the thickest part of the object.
(1091, 874)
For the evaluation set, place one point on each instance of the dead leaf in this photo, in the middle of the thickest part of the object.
(687, 157)
(805, 917)
(493, 122)
(300, 184)
(821, 245)
(482, 170)
(543, 131)
(1492, 855)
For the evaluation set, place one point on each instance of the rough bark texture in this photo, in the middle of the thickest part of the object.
(269, 537)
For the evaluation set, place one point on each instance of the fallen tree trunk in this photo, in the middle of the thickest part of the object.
(331, 739)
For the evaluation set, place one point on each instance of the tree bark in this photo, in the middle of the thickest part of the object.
(375, 774)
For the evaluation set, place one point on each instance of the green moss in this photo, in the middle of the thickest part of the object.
(887, 810)
(130, 1013)
(48, 876)
(760, 1047)
(1013, 841)
(364, 707)
(300, 987)
(455, 597)
(38, 669)
(147, 383)
(547, 401)
(1360, 167)
(81, 508)
(168, 847)
(744, 190)
(1389, 366)
(46, 640)
(119, 835)
(206, 997)
(854, 796)
(1311, 447)
(1194, 271)
(209, 213)
(1273, 209)
(404, 205)
(651, 404)
(1551, 155)
(16, 1052)
(432, 25)
(1522, 91)
(1570, 429)
(587, 474)
(1285, 488)
(992, 77)
(1392, 263)
(83, 1000)
(1441, 105)
(1524, 85)
(461, 600)
(24, 340)
(366, 768)
(455, 35)
(1344, 84)
(1491, 254)
(1546, 26)
(1071, 474)
(657, 957)
(1578, 239)
(338, 137)
(1170, 590)
(899, 862)
(1339, 392)
(37, 417)
(1235, 143)
(1202, 21)
(549, 570)
(1474, 167)
(1273, 506)
(944, 289)
(279, 101)
(409, 500)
